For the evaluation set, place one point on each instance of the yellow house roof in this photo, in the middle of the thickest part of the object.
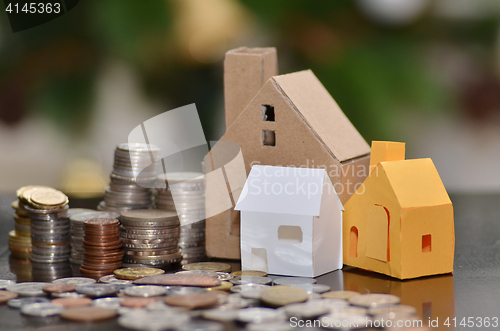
(416, 183)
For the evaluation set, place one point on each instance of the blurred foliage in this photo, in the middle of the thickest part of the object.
(373, 71)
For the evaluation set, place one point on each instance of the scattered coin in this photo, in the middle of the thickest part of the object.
(260, 315)
(68, 295)
(29, 289)
(250, 291)
(212, 266)
(72, 302)
(87, 314)
(6, 296)
(193, 301)
(19, 302)
(344, 295)
(307, 310)
(179, 280)
(136, 273)
(292, 281)
(145, 291)
(224, 276)
(111, 279)
(201, 326)
(59, 288)
(338, 320)
(177, 290)
(98, 290)
(251, 280)
(43, 309)
(79, 281)
(314, 288)
(222, 314)
(153, 320)
(5, 282)
(249, 273)
(277, 296)
(108, 303)
(200, 272)
(374, 300)
(224, 286)
(138, 302)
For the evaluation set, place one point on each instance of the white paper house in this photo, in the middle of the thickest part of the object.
(291, 222)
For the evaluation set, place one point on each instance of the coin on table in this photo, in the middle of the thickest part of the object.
(19, 302)
(404, 309)
(260, 315)
(72, 302)
(138, 302)
(59, 288)
(111, 279)
(222, 314)
(293, 281)
(277, 296)
(193, 301)
(338, 320)
(29, 289)
(306, 310)
(153, 320)
(145, 291)
(98, 290)
(67, 295)
(108, 303)
(201, 326)
(224, 286)
(344, 295)
(224, 276)
(177, 290)
(198, 272)
(314, 288)
(75, 280)
(179, 280)
(136, 273)
(212, 266)
(48, 198)
(43, 309)
(374, 300)
(251, 280)
(6, 296)
(88, 314)
(5, 282)
(249, 273)
(250, 291)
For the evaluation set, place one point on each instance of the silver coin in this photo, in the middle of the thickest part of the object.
(251, 280)
(5, 282)
(98, 290)
(293, 281)
(79, 281)
(344, 321)
(67, 295)
(153, 320)
(109, 303)
(19, 302)
(199, 272)
(29, 289)
(179, 290)
(145, 291)
(223, 276)
(111, 279)
(374, 300)
(307, 310)
(236, 301)
(43, 309)
(248, 287)
(314, 288)
(260, 315)
(221, 314)
(201, 326)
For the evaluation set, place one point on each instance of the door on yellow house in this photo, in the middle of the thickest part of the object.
(377, 233)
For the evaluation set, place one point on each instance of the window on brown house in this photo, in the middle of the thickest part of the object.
(268, 138)
(268, 113)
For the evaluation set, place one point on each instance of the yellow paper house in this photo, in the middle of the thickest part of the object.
(400, 221)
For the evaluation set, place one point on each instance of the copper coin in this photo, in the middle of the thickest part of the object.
(102, 244)
(101, 261)
(100, 267)
(59, 288)
(134, 302)
(102, 248)
(104, 254)
(101, 222)
(193, 300)
(88, 314)
(6, 296)
(72, 302)
(180, 280)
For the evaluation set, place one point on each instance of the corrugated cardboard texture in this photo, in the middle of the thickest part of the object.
(245, 71)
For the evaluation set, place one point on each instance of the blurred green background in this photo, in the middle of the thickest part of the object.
(421, 71)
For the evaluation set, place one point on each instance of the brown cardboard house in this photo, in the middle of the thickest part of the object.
(400, 222)
(291, 121)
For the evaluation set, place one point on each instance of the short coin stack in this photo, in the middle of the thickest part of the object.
(20, 238)
(77, 231)
(150, 238)
(188, 190)
(103, 252)
(126, 192)
(47, 208)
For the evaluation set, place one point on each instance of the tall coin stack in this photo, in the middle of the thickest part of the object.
(189, 191)
(103, 252)
(125, 192)
(150, 238)
(20, 238)
(47, 208)
(77, 231)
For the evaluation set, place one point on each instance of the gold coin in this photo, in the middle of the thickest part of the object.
(20, 191)
(47, 197)
(224, 286)
(277, 296)
(136, 273)
(344, 295)
(212, 266)
(13, 236)
(249, 273)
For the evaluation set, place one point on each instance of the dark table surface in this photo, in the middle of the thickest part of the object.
(472, 292)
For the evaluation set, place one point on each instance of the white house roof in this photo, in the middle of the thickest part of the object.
(284, 190)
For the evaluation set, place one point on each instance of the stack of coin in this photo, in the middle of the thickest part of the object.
(47, 208)
(20, 238)
(185, 194)
(77, 231)
(47, 272)
(103, 252)
(132, 179)
(150, 238)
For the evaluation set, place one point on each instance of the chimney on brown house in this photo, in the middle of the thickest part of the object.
(246, 70)
(383, 151)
